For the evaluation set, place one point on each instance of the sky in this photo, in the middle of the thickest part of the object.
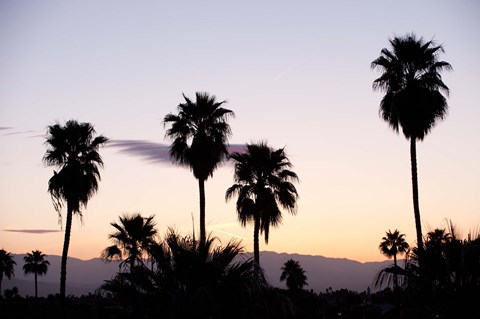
(296, 73)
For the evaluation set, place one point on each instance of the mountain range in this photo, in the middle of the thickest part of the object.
(85, 276)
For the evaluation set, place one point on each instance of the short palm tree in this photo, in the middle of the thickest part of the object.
(209, 281)
(294, 275)
(412, 83)
(263, 184)
(73, 149)
(199, 134)
(6, 266)
(392, 245)
(35, 264)
(193, 281)
(132, 240)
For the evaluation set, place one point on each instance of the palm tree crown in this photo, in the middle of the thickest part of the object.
(413, 86)
(73, 149)
(133, 238)
(263, 181)
(294, 275)
(36, 264)
(199, 134)
(6, 266)
(393, 244)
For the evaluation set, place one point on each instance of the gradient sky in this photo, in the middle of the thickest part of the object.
(296, 73)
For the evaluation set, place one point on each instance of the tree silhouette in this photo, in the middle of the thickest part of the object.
(294, 275)
(199, 134)
(448, 282)
(6, 266)
(193, 280)
(133, 238)
(36, 264)
(413, 100)
(207, 281)
(392, 245)
(263, 182)
(72, 149)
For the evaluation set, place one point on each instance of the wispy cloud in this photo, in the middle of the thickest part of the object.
(281, 74)
(223, 229)
(19, 132)
(9, 131)
(153, 152)
(239, 148)
(32, 231)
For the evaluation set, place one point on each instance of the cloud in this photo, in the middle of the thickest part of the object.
(238, 148)
(153, 152)
(14, 132)
(222, 228)
(32, 231)
(19, 132)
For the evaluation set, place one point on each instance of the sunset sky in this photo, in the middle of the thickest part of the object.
(296, 73)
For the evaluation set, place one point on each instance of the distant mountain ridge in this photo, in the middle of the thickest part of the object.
(84, 276)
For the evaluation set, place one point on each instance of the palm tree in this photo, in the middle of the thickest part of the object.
(193, 281)
(263, 181)
(294, 275)
(73, 150)
(36, 264)
(199, 136)
(209, 281)
(410, 77)
(133, 238)
(392, 245)
(6, 266)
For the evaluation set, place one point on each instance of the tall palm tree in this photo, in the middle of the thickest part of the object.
(199, 134)
(6, 266)
(263, 182)
(412, 83)
(392, 245)
(132, 239)
(73, 149)
(36, 264)
(294, 275)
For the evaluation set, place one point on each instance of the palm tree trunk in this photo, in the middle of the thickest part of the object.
(256, 242)
(36, 287)
(395, 277)
(416, 206)
(66, 243)
(201, 187)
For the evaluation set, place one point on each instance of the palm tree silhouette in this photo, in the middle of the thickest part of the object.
(410, 77)
(199, 136)
(206, 281)
(263, 181)
(36, 264)
(73, 149)
(133, 238)
(392, 245)
(294, 275)
(6, 266)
